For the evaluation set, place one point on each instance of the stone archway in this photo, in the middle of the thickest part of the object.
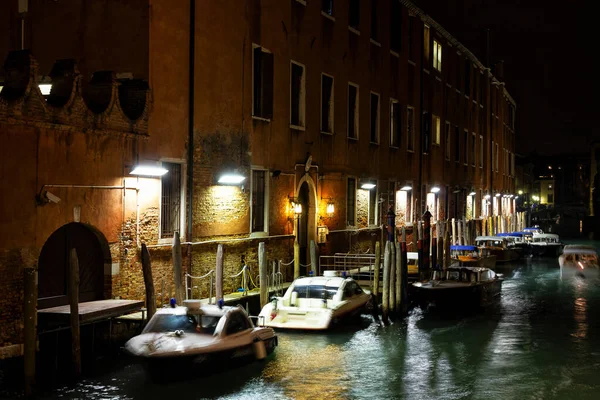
(53, 264)
(306, 193)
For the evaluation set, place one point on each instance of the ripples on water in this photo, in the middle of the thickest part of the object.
(541, 341)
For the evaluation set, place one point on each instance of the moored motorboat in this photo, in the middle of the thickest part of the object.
(315, 303)
(460, 288)
(546, 244)
(471, 256)
(579, 261)
(184, 338)
(519, 240)
(498, 246)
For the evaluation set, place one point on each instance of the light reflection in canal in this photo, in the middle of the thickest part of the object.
(541, 341)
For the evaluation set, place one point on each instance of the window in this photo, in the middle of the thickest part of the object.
(467, 78)
(327, 104)
(297, 94)
(456, 144)
(410, 123)
(262, 83)
(170, 205)
(373, 207)
(395, 123)
(374, 118)
(447, 139)
(351, 202)
(497, 157)
(437, 55)
(473, 148)
(480, 151)
(258, 201)
(466, 147)
(480, 85)
(493, 159)
(236, 323)
(354, 14)
(327, 7)
(352, 111)
(374, 20)
(436, 129)
(411, 23)
(396, 27)
(550, 198)
(426, 45)
(457, 68)
(511, 116)
(426, 132)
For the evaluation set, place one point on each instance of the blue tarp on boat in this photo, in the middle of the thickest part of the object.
(467, 248)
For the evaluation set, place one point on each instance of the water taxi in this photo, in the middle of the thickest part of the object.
(498, 246)
(579, 260)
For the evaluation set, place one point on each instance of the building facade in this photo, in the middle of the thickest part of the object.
(332, 112)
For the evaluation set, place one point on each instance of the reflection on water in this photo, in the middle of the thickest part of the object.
(541, 341)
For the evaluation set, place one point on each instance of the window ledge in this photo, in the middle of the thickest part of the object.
(375, 42)
(374, 143)
(437, 78)
(481, 105)
(411, 62)
(256, 117)
(410, 151)
(449, 85)
(394, 147)
(327, 133)
(331, 17)
(297, 127)
(259, 234)
(303, 2)
(166, 240)
(475, 102)
(354, 30)
(355, 139)
(436, 144)
(395, 53)
(426, 71)
(457, 91)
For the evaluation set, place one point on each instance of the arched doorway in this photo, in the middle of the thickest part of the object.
(307, 223)
(53, 265)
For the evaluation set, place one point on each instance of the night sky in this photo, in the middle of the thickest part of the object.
(548, 52)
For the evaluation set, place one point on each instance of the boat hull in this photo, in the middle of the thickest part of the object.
(546, 250)
(177, 367)
(459, 295)
(572, 271)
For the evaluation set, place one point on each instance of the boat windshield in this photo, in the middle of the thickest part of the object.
(171, 323)
(315, 291)
(186, 323)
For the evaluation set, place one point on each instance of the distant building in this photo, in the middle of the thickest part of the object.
(327, 113)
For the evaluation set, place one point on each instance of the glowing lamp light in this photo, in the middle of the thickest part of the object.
(406, 188)
(498, 194)
(520, 192)
(472, 194)
(516, 197)
(45, 88)
(231, 179)
(148, 170)
(367, 186)
(297, 208)
(487, 197)
(435, 189)
(330, 208)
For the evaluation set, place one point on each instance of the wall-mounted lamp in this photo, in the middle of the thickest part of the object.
(330, 208)
(435, 189)
(45, 88)
(297, 208)
(472, 194)
(487, 197)
(520, 192)
(148, 170)
(498, 194)
(231, 178)
(516, 197)
(406, 188)
(367, 186)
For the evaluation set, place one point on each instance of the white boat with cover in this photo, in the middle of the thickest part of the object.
(315, 303)
(546, 244)
(579, 261)
(183, 338)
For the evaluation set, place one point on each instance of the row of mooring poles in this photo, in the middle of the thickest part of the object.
(395, 272)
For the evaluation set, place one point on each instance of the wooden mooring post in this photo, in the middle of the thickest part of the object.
(296, 258)
(426, 244)
(376, 272)
(263, 273)
(177, 269)
(404, 274)
(398, 273)
(30, 282)
(392, 278)
(313, 258)
(74, 309)
(219, 274)
(385, 300)
(148, 282)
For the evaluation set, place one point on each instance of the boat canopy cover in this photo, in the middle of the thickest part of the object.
(513, 234)
(467, 248)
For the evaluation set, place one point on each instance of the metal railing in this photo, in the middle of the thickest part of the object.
(356, 265)
(189, 290)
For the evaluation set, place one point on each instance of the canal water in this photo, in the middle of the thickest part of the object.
(541, 341)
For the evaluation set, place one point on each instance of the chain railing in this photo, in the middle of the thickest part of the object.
(189, 290)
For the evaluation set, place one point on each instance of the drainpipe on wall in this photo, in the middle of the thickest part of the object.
(421, 139)
(190, 152)
(23, 8)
